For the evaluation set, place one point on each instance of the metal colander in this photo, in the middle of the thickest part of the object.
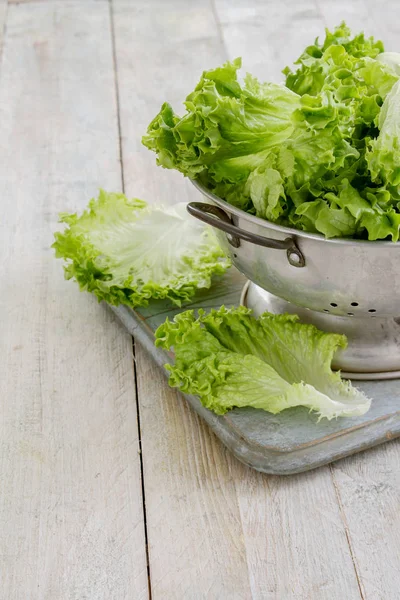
(341, 285)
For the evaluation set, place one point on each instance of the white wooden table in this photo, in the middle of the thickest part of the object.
(111, 488)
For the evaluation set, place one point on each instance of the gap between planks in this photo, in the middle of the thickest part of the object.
(3, 25)
(347, 532)
(117, 98)
(146, 536)
(121, 161)
(50, 1)
(73, 518)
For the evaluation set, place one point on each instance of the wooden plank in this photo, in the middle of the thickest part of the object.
(365, 15)
(268, 34)
(3, 16)
(216, 529)
(355, 14)
(153, 68)
(48, 1)
(71, 519)
(368, 485)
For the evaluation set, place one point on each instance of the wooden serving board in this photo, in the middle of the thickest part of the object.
(290, 442)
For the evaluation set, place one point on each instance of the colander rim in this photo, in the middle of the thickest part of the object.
(288, 231)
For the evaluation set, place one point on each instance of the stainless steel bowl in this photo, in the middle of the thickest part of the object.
(354, 284)
(342, 277)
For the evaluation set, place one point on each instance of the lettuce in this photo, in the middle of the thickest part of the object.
(392, 59)
(228, 128)
(346, 67)
(383, 155)
(126, 252)
(231, 359)
(306, 154)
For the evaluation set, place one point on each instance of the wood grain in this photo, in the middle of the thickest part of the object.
(49, 1)
(3, 16)
(268, 34)
(216, 529)
(368, 485)
(71, 510)
(71, 521)
(380, 19)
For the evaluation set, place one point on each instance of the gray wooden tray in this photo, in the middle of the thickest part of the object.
(292, 441)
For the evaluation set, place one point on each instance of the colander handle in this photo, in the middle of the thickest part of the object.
(216, 217)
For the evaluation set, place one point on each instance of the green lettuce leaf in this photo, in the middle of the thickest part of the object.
(228, 128)
(318, 154)
(267, 193)
(391, 59)
(383, 155)
(350, 213)
(231, 359)
(346, 68)
(126, 252)
(252, 145)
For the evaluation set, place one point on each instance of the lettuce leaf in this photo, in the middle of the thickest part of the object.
(231, 359)
(391, 59)
(338, 63)
(319, 154)
(126, 252)
(383, 155)
(227, 129)
(251, 144)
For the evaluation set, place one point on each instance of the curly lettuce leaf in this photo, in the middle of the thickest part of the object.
(350, 72)
(126, 252)
(231, 359)
(332, 64)
(228, 128)
(346, 68)
(350, 212)
(253, 145)
(391, 59)
(383, 156)
(308, 155)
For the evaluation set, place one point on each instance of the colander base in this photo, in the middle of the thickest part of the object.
(373, 351)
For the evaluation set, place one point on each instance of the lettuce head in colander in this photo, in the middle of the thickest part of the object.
(317, 153)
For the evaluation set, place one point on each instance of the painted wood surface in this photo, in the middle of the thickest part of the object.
(71, 519)
(368, 485)
(72, 516)
(3, 16)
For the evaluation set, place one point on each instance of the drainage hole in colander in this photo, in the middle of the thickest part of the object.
(372, 310)
(235, 256)
(326, 310)
(350, 314)
(354, 303)
(334, 304)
